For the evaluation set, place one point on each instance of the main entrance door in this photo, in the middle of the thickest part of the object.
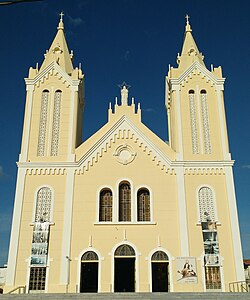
(160, 274)
(124, 273)
(89, 273)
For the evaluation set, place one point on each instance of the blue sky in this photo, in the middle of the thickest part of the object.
(132, 41)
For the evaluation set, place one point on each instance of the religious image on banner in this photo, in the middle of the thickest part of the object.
(39, 251)
(186, 270)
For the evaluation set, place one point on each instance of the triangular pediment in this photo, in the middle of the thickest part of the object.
(91, 151)
(52, 69)
(197, 69)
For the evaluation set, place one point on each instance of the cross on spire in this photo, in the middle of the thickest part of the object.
(187, 18)
(61, 16)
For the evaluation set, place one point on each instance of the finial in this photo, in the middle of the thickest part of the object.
(188, 27)
(60, 25)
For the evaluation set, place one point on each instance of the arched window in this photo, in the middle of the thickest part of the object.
(56, 123)
(124, 250)
(105, 206)
(205, 122)
(193, 122)
(207, 210)
(43, 123)
(124, 202)
(143, 205)
(43, 205)
(89, 256)
(159, 256)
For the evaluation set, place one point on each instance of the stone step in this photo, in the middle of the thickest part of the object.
(130, 296)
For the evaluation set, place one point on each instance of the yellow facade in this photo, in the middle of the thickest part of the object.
(124, 210)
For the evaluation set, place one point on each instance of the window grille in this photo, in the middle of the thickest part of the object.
(37, 278)
(90, 255)
(43, 124)
(125, 250)
(56, 123)
(159, 256)
(143, 205)
(43, 205)
(206, 205)
(205, 121)
(213, 280)
(124, 202)
(193, 120)
(105, 209)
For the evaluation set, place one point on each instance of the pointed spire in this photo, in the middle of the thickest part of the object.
(58, 51)
(190, 52)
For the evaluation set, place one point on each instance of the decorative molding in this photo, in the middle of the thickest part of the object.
(204, 171)
(56, 123)
(205, 124)
(197, 69)
(124, 154)
(193, 122)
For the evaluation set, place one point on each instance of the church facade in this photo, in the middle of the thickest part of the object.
(124, 211)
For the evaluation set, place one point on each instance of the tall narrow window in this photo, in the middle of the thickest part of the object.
(143, 205)
(56, 123)
(43, 205)
(43, 124)
(205, 122)
(206, 205)
(37, 279)
(105, 206)
(124, 202)
(193, 122)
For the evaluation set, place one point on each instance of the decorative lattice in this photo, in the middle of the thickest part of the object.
(56, 123)
(90, 255)
(125, 250)
(213, 279)
(43, 124)
(143, 205)
(205, 122)
(206, 205)
(105, 210)
(124, 202)
(159, 256)
(43, 205)
(193, 121)
(37, 279)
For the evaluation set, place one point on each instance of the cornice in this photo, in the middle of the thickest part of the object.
(197, 68)
(52, 68)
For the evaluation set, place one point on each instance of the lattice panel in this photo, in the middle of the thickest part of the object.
(206, 205)
(43, 124)
(205, 122)
(193, 121)
(37, 278)
(43, 205)
(56, 123)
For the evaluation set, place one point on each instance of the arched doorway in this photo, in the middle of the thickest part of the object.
(160, 272)
(89, 273)
(124, 279)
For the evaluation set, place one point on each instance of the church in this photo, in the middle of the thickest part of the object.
(124, 211)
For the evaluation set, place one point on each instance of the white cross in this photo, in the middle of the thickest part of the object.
(61, 15)
(187, 17)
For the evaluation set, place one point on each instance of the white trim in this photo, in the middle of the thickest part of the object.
(136, 264)
(66, 240)
(100, 258)
(182, 209)
(15, 229)
(238, 259)
(27, 125)
(171, 283)
(179, 124)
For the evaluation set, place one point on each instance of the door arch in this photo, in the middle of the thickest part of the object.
(124, 269)
(89, 273)
(160, 272)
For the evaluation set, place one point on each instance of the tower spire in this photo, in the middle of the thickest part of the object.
(59, 51)
(190, 52)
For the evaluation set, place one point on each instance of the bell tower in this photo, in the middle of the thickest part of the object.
(54, 105)
(195, 106)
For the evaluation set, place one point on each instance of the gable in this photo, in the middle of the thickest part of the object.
(94, 149)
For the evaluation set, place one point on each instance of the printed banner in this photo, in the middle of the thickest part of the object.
(186, 270)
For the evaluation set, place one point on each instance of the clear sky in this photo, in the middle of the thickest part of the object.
(132, 41)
